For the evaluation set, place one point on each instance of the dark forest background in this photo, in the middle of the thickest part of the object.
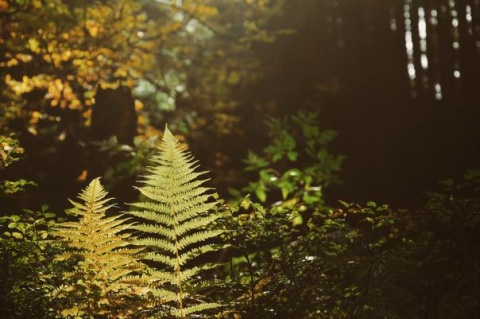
(399, 136)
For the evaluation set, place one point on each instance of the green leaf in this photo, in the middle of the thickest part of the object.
(17, 235)
(369, 220)
(310, 131)
(277, 157)
(285, 191)
(327, 136)
(12, 225)
(447, 182)
(294, 172)
(50, 215)
(261, 194)
(292, 156)
(322, 155)
(296, 219)
(471, 174)
(371, 204)
(246, 203)
(343, 203)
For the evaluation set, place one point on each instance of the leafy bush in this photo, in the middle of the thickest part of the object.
(10, 152)
(25, 257)
(296, 167)
(26, 261)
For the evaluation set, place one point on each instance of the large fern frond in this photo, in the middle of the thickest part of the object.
(175, 223)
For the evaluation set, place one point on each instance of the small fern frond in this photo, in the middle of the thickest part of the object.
(106, 269)
(176, 216)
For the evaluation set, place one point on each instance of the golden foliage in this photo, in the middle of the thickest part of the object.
(67, 48)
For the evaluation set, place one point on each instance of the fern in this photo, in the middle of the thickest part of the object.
(176, 219)
(104, 276)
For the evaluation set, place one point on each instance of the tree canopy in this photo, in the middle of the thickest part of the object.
(183, 61)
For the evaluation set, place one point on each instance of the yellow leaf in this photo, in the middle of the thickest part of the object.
(138, 105)
(24, 57)
(120, 73)
(33, 130)
(129, 82)
(35, 117)
(93, 31)
(12, 62)
(106, 85)
(206, 10)
(66, 55)
(34, 45)
(75, 104)
(37, 4)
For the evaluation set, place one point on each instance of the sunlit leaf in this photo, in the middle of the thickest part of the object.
(17, 235)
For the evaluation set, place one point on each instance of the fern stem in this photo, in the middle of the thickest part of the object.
(178, 269)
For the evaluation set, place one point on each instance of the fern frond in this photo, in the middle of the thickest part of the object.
(176, 216)
(106, 268)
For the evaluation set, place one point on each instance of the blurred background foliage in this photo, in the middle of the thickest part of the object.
(77, 74)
